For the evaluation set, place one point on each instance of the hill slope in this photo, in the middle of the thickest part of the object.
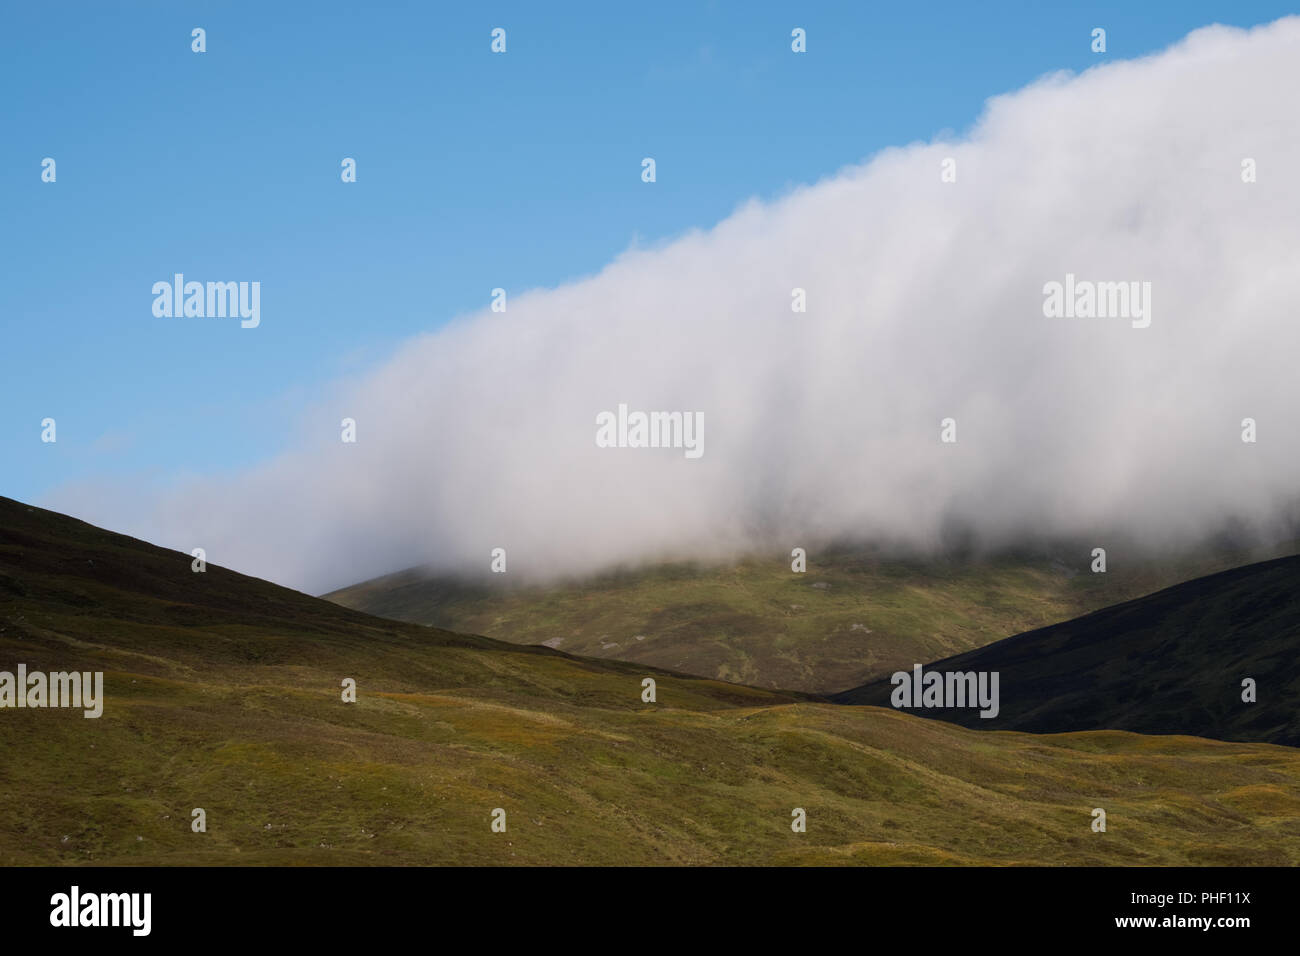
(223, 693)
(852, 617)
(1171, 662)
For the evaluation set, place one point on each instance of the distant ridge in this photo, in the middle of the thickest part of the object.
(858, 614)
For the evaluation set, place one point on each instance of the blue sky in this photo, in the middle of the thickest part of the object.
(474, 171)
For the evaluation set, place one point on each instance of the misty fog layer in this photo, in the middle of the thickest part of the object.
(925, 301)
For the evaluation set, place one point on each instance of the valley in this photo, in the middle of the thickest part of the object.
(222, 693)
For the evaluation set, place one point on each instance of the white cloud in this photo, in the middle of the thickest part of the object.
(924, 302)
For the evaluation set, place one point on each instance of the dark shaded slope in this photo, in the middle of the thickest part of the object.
(72, 593)
(1169, 663)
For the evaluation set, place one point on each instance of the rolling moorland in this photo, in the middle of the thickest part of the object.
(854, 616)
(222, 692)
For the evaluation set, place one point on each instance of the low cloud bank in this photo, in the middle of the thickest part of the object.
(924, 302)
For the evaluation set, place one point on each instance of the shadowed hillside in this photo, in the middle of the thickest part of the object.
(1169, 663)
(223, 692)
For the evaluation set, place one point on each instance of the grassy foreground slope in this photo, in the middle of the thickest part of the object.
(223, 693)
(850, 618)
(1170, 662)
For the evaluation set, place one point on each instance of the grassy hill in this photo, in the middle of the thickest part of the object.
(1171, 662)
(223, 693)
(852, 617)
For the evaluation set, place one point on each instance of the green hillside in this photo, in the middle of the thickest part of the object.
(223, 693)
(851, 617)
